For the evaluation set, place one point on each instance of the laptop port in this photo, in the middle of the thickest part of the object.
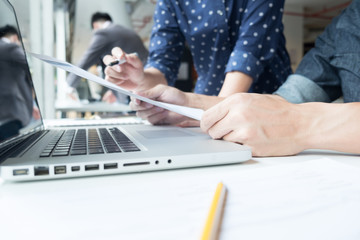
(110, 165)
(136, 164)
(41, 171)
(91, 167)
(19, 172)
(60, 169)
(75, 168)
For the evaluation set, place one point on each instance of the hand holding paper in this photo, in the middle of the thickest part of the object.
(194, 113)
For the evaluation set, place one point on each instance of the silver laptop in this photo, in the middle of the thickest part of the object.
(29, 151)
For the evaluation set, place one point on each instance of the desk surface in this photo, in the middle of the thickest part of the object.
(99, 207)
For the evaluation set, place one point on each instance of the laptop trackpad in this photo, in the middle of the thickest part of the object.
(164, 133)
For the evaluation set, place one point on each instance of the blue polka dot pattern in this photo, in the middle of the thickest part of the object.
(223, 36)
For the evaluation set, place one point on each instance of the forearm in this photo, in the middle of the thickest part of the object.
(235, 82)
(331, 126)
(201, 101)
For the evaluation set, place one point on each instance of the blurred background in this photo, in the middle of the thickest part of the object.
(61, 28)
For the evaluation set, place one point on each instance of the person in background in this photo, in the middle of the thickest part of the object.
(106, 36)
(237, 46)
(16, 97)
(299, 115)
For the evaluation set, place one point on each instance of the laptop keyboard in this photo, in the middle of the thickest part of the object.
(88, 141)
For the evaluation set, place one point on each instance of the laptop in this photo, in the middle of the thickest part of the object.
(31, 151)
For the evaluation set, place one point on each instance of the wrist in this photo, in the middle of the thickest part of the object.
(314, 122)
(235, 82)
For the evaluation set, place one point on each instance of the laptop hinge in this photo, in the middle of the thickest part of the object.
(17, 146)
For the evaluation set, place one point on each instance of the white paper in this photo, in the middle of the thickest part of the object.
(194, 113)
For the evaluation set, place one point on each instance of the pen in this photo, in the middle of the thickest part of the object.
(214, 219)
(119, 61)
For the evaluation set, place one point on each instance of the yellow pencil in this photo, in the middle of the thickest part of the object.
(214, 219)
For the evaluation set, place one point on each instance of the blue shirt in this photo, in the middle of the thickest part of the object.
(331, 69)
(223, 36)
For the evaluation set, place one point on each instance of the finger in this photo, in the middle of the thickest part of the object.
(134, 100)
(139, 107)
(213, 115)
(118, 53)
(159, 118)
(108, 59)
(148, 113)
(234, 136)
(117, 77)
(137, 101)
(220, 128)
(113, 76)
(173, 118)
(127, 84)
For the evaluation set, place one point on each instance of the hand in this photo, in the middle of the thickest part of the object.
(156, 115)
(72, 94)
(109, 97)
(36, 113)
(268, 124)
(129, 75)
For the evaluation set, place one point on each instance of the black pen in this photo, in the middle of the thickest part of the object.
(117, 62)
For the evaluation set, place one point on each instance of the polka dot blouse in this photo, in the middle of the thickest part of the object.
(223, 36)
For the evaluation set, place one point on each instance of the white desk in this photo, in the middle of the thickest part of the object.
(98, 207)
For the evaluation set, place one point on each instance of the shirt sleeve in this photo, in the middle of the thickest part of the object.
(17, 55)
(258, 37)
(167, 42)
(324, 63)
(299, 89)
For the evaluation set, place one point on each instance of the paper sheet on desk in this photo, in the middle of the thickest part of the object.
(194, 113)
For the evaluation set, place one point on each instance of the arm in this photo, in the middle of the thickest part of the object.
(257, 42)
(235, 82)
(271, 126)
(91, 56)
(332, 126)
(166, 42)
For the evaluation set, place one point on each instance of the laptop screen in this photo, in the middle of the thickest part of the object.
(19, 112)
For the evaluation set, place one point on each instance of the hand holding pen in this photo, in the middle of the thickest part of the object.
(124, 70)
(117, 62)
